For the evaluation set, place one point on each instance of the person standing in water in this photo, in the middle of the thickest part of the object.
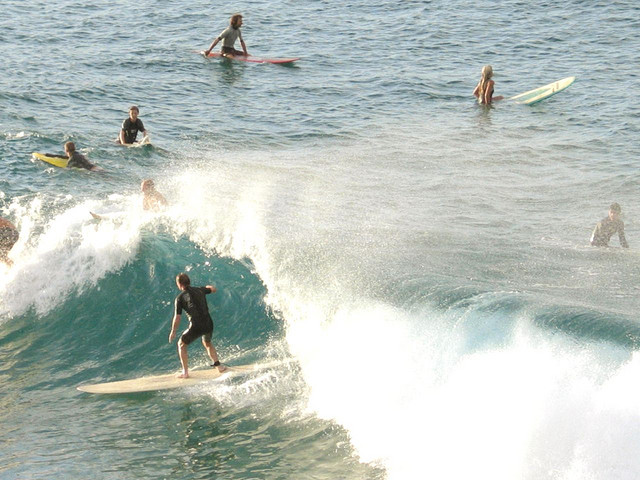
(194, 302)
(607, 227)
(131, 126)
(229, 37)
(8, 238)
(484, 90)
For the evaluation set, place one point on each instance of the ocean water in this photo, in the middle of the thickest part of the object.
(410, 271)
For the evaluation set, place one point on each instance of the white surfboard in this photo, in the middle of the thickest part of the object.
(163, 382)
(540, 93)
(143, 142)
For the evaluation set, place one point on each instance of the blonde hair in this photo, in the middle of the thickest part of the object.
(487, 73)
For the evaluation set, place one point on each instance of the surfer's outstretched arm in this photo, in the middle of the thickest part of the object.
(215, 42)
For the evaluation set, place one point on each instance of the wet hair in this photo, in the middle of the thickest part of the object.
(70, 147)
(147, 185)
(134, 107)
(234, 20)
(615, 207)
(183, 279)
(487, 73)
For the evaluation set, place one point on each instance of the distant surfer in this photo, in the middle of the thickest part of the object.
(8, 238)
(484, 90)
(152, 199)
(194, 302)
(607, 227)
(229, 37)
(131, 126)
(76, 159)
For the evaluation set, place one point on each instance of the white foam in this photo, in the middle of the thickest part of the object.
(65, 251)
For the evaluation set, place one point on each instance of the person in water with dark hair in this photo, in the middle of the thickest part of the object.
(76, 159)
(8, 238)
(194, 302)
(131, 126)
(607, 227)
(229, 37)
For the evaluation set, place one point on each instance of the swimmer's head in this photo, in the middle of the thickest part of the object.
(133, 112)
(147, 185)
(69, 147)
(236, 21)
(487, 72)
(614, 211)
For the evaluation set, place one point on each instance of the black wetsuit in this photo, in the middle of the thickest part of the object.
(131, 129)
(194, 302)
(604, 231)
(77, 160)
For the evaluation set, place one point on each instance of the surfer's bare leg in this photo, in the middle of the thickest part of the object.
(184, 359)
(213, 355)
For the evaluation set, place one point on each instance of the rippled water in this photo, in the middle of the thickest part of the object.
(411, 271)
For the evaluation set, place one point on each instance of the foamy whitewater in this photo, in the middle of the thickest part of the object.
(410, 272)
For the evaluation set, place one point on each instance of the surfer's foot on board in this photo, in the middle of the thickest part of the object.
(221, 368)
(182, 375)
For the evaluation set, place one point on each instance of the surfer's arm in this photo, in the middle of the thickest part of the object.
(211, 288)
(475, 91)
(215, 42)
(623, 239)
(174, 326)
(244, 47)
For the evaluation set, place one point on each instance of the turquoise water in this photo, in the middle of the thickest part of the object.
(410, 271)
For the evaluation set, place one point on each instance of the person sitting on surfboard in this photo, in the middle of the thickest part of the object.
(229, 37)
(76, 159)
(152, 199)
(8, 238)
(607, 227)
(131, 126)
(484, 90)
(194, 302)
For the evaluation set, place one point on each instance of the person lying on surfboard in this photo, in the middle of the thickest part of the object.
(484, 90)
(229, 37)
(194, 302)
(131, 126)
(608, 226)
(8, 238)
(77, 160)
(152, 199)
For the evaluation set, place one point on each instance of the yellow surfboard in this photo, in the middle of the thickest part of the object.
(51, 158)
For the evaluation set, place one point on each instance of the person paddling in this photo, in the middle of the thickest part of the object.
(77, 160)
